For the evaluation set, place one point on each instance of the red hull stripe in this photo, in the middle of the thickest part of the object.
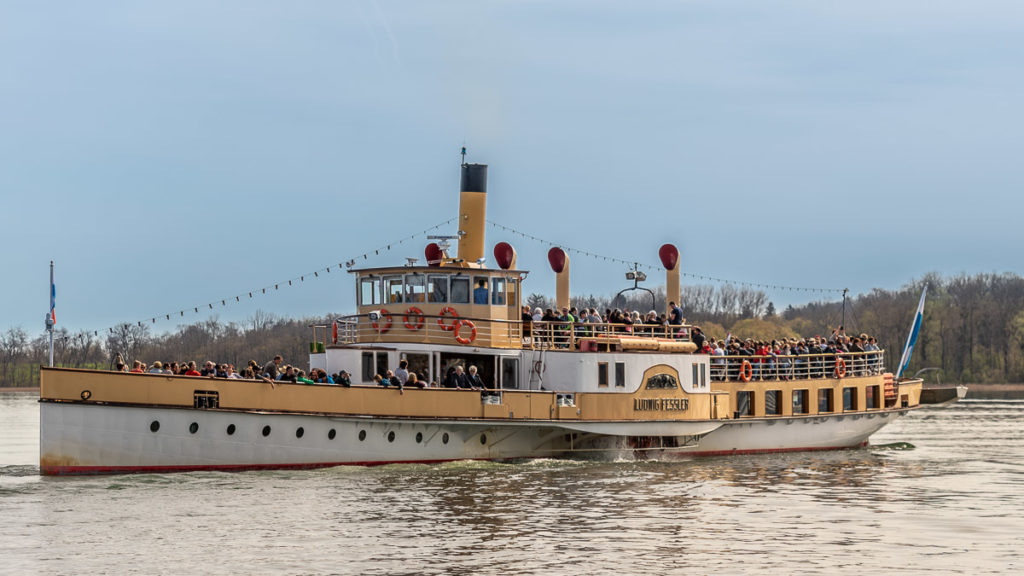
(97, 470)
(774, 450)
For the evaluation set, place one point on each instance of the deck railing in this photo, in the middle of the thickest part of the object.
(565, 335)
(797, 367)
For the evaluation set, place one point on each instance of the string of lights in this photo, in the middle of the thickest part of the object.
(654, 267)
(250, 294)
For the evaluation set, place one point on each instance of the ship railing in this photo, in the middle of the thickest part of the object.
(419, 328)
(555, 335)
(796, 367)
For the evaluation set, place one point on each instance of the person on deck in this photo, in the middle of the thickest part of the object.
(480, 293)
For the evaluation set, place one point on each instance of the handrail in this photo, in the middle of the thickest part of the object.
(732, 368)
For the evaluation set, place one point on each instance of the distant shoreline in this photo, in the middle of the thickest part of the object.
(20, 389)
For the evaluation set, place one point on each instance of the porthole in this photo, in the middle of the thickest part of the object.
(444, 438)
(483, 438)
(154, 426)
(299, 432)
(266, 430)
(193, 428)
(362, 435)
(331, 434)
(391, 436)
(231, 429)
(419, 437)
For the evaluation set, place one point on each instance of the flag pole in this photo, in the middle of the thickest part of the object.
(51, 318)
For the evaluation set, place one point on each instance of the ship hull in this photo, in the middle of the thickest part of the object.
(98, 439)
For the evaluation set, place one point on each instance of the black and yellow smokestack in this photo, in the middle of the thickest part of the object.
(472, 212)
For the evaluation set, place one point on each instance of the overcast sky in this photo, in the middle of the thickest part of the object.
(171, 155)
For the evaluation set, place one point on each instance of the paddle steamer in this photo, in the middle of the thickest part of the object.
(557, 390)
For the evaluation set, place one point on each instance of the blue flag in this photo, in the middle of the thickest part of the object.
(912, 339)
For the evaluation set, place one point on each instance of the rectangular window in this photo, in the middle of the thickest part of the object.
(460, 290)
(871, 397)
(510, 373)
(773, 402)
(800, 401)
(382, 363)
(602, 374)
(703, 375)
(512, 299)
(824, 400)
(415, 287)
(480, 290)
(745, 403)
(849, 399)
(420, 364)
(369, 291)
(437, 288)
(498, 291)
(369, 368)
(696, 376)
(393, 289)
(620, 374)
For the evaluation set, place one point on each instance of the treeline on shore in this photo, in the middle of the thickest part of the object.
(973, 329)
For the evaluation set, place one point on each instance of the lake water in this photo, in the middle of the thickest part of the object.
(941, 490)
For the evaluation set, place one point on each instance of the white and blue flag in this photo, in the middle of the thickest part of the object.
(912, 339)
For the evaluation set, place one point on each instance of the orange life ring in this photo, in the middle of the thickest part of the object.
(458, 328)
(447, 311)
(840, 368)
(746, 371)
(385, 327)
(414, 311)
(334, 333)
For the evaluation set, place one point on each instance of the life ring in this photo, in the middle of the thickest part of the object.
(746, 371)
(458, 328)
(840, 368)
(447, 311)
(382, 327)
(334, 333)
(418, 314)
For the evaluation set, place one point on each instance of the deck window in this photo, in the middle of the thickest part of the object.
(662, 382)
(745, 403)
(871, 397)
(460, 290)
(620, 374)
(602, 374)
(415, 287)
(849, 399)
(437, 288)
(393, 289)
(510, 373)
(369, 369)
(773, 402)
(825, 400)
(369, 291)
(801, 403)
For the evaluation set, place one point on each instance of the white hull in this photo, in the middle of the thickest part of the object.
(82, 439)
(827, 432)
(89, 438)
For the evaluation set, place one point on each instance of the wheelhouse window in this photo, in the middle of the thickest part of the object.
(662, 382)
(498, 291)
(700, 375)
(393, 289)
(510, 287)
(620, 374)
(460, 290)
(369, 291)
(415, 287)
(825, 400)
(437, 288)
(745, 403)
(801, 404)
(773, 402)
(602, 374)
(480, 290)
